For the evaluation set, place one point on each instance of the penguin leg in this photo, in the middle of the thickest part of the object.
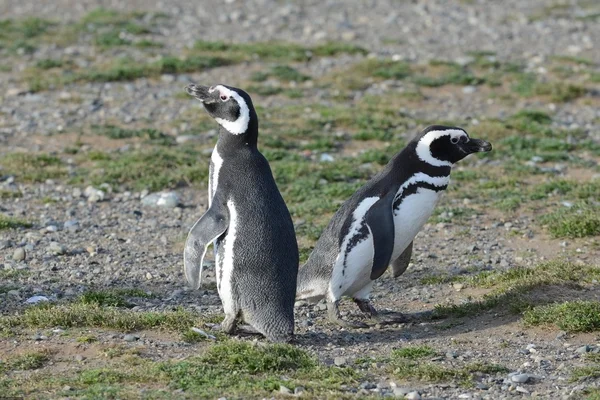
(333, 312)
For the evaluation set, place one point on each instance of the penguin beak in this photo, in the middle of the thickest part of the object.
(202, 93)
(477, 145)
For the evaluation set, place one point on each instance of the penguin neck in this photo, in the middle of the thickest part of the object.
(408, 161)
(249, 139)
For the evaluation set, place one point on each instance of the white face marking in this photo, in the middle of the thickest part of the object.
(424, 149)
(240, 125)
(224, 276)
(358, 261)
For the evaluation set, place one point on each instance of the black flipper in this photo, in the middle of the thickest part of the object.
(210, 226)
(401, 263)
(380, 222)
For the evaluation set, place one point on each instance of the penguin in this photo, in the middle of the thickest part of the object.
(377, 224)
(247, 221)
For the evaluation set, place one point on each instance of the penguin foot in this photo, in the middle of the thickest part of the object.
(366, 307)
(389, 318)
(333, 312)
(229, 324)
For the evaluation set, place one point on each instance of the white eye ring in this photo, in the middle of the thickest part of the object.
(224, 97)
(454, 140)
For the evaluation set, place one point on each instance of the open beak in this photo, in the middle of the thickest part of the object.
(477, 145)
(202, 93)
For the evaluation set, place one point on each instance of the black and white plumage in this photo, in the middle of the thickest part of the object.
(247, 222)
(377, 225)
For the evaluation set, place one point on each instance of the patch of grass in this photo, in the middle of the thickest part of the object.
(288, 74)
(112, 297)
(414, 352)
(512, 288)
(13, 223)
(153, 169)
(528, 86)
(87, 339)
(150, 135)
(574, 222)
(571, 316)
(49, 63)
(27, 361)
(6, 194)
(277, 51)
(450, 74)
(29, 167)
(431, 372)
(92, 315)
(439, 279)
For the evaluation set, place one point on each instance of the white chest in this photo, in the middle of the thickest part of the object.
(412, 214)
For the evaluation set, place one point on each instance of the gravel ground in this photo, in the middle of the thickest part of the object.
(78, 243)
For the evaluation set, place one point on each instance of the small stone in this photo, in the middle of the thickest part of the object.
(5, 244)
(340, 361)
(36, 299)
(465, 396)
(321, 307)
(520, 378)
(93, 195)
(326, 157)
(56, 249)
(284, 390)
(66, 388)
(482, 386)
(149, 275)
(451, 354)
(367, 385)
(583, 349)
(298, 391)
(130, 338)
(521, 389)
(469, 89)
(458, 286)
(19, 254)
(413, 396)
(71, 225)
(163, 199)
(52, 228)
(78, 357)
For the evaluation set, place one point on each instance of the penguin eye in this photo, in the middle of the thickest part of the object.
(454, 140)
(224, 97)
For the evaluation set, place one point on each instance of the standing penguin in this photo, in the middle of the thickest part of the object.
(378, 223)
(247, 221)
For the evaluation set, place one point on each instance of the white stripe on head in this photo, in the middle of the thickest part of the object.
(240, 125)
(424, 146)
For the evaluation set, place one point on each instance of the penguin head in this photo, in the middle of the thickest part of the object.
(445, 145)
(231, 107)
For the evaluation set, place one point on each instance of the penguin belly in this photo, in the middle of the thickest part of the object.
(411, 215)
(224, 262)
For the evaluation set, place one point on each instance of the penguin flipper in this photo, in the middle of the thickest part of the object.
(210, 226)
(381, 224)
(401, 263)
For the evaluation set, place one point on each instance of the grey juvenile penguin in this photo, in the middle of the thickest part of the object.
(247, 221)
(378, 223)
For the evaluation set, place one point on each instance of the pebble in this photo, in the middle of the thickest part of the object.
(326, 157)
(583, 349)
(19, 254)
(130, 338)
(78, 357)
(36, 299)
(71, 225)
(520, 378)
(413, 396)
(5, 244)
(93, 195)
(299, 390)
(56, 249)
(340, 361)
(284, 390)
(162, 199)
